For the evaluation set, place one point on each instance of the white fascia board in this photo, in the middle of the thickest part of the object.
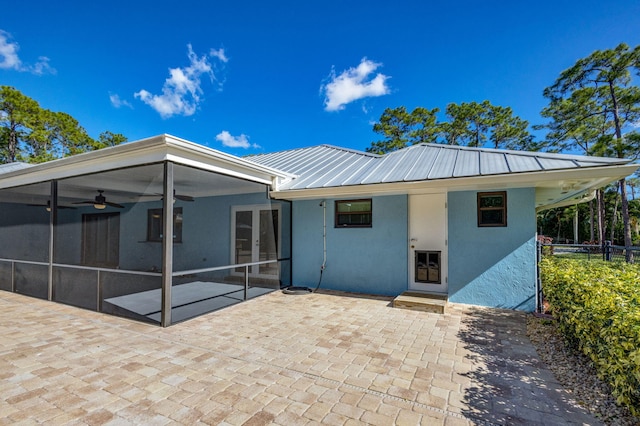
(146, 151)
(73, 166)
(603, 174)
(204, 154)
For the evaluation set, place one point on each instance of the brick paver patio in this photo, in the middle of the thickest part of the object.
(329, 358)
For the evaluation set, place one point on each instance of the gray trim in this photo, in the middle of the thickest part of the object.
(167, 245)
(53, 219)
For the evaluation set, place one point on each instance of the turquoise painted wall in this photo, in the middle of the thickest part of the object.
(367, 260)
(492, 266)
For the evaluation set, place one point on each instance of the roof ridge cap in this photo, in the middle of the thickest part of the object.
(354, 151)
(535, 154)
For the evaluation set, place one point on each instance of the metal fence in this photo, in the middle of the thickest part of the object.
(607, 252)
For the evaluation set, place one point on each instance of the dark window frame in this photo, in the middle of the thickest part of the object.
(338, 223)
(154, 232)
(503, 209)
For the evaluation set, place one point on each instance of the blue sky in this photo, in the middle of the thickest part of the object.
(247, 77)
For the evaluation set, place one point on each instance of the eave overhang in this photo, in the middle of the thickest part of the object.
(553, 187)
(146, 151)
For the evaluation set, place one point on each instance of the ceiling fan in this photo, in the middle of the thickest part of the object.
(48, 206)
(100, 202)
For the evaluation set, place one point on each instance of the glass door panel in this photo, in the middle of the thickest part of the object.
(243, 238)
(268, 244)
(256, 238)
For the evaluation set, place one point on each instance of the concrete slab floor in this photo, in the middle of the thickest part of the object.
(324, 358)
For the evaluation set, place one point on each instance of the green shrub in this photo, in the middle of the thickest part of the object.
(597, 305)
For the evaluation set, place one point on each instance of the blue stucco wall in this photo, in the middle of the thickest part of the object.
(367, 260)
(493, 266)
(206, 233)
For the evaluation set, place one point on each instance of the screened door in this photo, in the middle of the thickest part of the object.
(256, 238)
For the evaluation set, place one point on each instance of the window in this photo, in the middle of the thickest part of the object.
(353, 214)
(492, 208)
(154, 225)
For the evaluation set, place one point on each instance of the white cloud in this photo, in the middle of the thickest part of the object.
(42, 67)
(219, 54)
(117, 102)
(354, 84)
(9, 53)
(182, 90)
(9, 58)
(229, 141)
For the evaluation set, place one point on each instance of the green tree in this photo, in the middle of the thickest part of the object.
(18, 116)
(470, 124)
(34, 134)
(509, 131)
(401, 128)
(107, 139)
(598, 92)
(476, 124)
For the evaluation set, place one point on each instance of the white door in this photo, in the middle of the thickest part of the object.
(255, 237)
(428, 243)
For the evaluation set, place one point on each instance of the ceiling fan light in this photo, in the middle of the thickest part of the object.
(99, 206)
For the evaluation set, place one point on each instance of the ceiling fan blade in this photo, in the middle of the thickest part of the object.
(184, 197)
(84, 202)
(48, 206)
(116, 205)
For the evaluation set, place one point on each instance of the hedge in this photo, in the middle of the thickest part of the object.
(597, 305)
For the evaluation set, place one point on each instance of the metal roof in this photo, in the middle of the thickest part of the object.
(10, 167)
(327, 166)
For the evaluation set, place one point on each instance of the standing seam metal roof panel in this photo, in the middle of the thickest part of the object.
(493, 163)
(423, 165)
(522, 163)
(467, 164)
(552, 163)
(322, 169)
(298, 164)
(349, 170)
(444, 165)
(385, 166)
(279, 159)
(409, 159)
(357, 176)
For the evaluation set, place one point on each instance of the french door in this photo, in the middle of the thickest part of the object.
(255, 237)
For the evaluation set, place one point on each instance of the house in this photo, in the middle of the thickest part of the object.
(89, 230)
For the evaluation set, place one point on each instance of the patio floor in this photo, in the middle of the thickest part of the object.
(329, 357)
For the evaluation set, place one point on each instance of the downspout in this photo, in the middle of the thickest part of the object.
(323, 203)
(324, 235)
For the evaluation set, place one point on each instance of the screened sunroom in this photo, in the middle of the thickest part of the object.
(159, 230)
